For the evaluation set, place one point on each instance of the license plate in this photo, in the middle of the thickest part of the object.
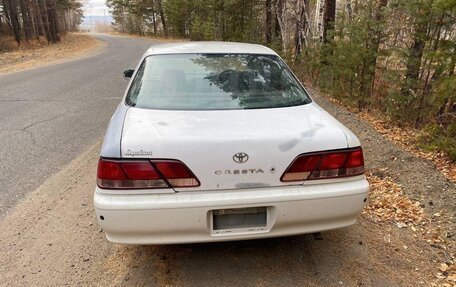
(239, 218)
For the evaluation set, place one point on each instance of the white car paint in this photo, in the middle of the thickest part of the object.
(208, 47)
(206, 142)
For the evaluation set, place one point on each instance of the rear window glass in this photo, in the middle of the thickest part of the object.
(213, 82)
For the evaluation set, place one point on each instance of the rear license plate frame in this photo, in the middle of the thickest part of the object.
(239, 220)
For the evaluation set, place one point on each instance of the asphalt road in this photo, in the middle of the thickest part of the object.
(49, 115)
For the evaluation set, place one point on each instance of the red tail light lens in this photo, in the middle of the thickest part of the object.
(328, 164)
(139, 170)
(301, 168)
(355, 159)
(110, 170)
(143, 174)
(176, 173)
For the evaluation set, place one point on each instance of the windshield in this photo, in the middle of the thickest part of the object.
(214, 82)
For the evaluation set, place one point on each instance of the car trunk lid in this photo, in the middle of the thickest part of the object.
(231, 149)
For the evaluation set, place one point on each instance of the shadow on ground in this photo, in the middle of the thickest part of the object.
(336, 258)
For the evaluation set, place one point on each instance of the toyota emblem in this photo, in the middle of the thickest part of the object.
(241, 157)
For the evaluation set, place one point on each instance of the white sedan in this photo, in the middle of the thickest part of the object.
(217, 141)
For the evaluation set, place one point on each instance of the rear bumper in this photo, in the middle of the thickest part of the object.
(186, 217)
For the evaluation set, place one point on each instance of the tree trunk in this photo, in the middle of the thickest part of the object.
(349, 9)
(44, 18)
(374, 46)
(302, 25)
(65, 20)
(154, 20)
(11, 10)
(437, 72)
(318, 19)
(329, 16)
(38, 20)
(414, 60)
(280, 25)
(53, 22)
(162, 16)
(446, 102)
(269, 21)
(26, 20)
(33, 28)
(362, 88)
(277, 33)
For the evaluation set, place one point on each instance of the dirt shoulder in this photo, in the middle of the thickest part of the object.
(398, 170)
(52, 238)
(72, 45)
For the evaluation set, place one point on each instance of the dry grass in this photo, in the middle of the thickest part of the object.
(7, 44)
(39, 52)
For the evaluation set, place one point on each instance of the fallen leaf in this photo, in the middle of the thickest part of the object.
(443, 267)
(401, 224)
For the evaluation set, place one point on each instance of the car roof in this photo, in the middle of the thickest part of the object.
(208, 47)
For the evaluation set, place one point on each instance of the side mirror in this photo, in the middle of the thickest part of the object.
(128, 73)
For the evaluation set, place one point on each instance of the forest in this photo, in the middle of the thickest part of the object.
(394, 57)
(28, 20)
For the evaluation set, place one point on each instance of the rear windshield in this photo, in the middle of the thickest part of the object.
(214, 82)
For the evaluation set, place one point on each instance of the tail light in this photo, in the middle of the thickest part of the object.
(327, 164)
(176, 173)
(144, 174)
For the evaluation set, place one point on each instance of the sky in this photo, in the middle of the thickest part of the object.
(95, 8)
